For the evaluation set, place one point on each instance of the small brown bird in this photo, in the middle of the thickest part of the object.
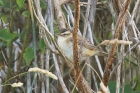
(65, 43)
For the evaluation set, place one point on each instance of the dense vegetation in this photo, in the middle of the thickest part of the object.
(27, 40)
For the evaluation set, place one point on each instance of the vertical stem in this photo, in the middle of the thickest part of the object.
(11, 29)
(65, 90)
(123, 65)
(10, 63)
(108, 67)
(118, 77)
(47, 68)
(24, 43)
(75, 38)
(34, 44)
(34, 32)
(78, 78)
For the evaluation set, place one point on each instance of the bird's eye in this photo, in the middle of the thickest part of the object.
(64, 34)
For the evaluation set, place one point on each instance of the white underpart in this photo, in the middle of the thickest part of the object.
(66, 47)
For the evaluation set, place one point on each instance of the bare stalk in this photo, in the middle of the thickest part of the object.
(108, 67)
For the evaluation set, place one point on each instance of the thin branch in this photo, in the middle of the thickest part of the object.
(80, 74)
(59, 75)
(50, 35)
(59, 14)
(134, 10)
(122, 53)
(75, 73)
(64, 1)
(69, 13)
(75, 44)
(120, 61)
(85, 27)
(108, 67)
(42, 23)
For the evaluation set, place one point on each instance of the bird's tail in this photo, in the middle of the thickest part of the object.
(100, 53)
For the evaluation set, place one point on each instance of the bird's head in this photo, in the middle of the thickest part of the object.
(64, 33)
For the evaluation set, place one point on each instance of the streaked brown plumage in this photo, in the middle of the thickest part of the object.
(65, 40)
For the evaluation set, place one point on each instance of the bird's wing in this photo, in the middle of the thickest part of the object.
(89, 45)
(86, 42)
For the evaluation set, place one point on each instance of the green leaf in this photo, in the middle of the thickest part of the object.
(20, 3)
(133, 63)
(28, 55)
(3, 17)
(55, 27)
(110, 34)
(43, 4)
(2, 44)
(6, 5)
(138, 86)
(136, 92)
(112, 86)
(127, 88)
(6, 35)
(42, 45)
(16, 8)
(1, 3)
(26, 14)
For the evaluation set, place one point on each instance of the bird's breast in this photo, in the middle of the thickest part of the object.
(66, 47)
